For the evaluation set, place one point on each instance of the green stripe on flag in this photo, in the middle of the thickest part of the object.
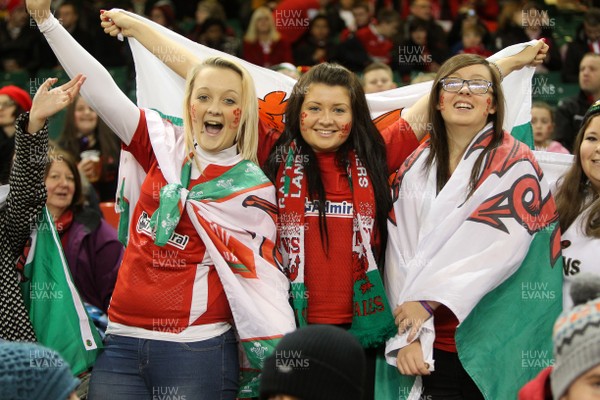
(510, 329)
(524, 133)
(57, 313)
(242, 176)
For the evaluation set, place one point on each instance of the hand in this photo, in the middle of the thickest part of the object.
(48, 102)
(115, 22)
(87, 167)
(410, 315)
(38, 9)
(530, 55)
(410, 360)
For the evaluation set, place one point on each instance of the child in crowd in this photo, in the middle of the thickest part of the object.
(542, 123)
(378, 77)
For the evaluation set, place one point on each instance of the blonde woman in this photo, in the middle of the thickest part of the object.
(199, 262)
(263, 45)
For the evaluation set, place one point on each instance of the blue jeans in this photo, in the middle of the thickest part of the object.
(132, 369)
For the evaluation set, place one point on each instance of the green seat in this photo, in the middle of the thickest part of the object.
(19, 78)
(550, 88)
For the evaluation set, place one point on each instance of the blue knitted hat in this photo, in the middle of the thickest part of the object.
(31, 371)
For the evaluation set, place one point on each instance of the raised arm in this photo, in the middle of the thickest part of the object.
(175, 56)
(531, 55)
(100, 90)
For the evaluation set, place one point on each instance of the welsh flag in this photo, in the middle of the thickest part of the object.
(56, 311)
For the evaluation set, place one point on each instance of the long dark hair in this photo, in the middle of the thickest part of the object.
(439, 150)
(364, 139)
(68, 140)
(573, 194)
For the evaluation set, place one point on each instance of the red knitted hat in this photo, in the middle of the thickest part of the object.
(12, 4)
(18, 95)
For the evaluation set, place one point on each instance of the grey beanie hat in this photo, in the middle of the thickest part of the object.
(576, 345)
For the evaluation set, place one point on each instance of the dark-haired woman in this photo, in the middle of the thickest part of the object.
(578, 204)
(473, 226)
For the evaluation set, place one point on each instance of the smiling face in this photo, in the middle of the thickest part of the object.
(215, 108)
(60, 184)
(542, 125)
(326, 117)
(589, 153)
(85, 117)
(464, 109)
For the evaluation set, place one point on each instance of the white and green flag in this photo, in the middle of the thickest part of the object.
(56, 311)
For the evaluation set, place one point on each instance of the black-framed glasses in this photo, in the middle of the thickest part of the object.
(476, 86)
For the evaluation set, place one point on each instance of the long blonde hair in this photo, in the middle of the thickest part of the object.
(260, 12)
(247, 134)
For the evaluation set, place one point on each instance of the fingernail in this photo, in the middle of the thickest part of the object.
(544, 40)
(102, 11)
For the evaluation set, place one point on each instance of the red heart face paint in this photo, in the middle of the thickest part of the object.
(236, 121)
(442, 99)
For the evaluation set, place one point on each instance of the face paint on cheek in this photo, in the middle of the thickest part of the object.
(345, 130)
(194, 112)
(442, 107)
(302, 117)
(236, 121)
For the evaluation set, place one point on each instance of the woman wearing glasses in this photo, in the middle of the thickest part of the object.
(470, 204)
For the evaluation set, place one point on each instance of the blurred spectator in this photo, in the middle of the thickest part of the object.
(262, 43)
(17, 40)
(570, 111)
(542, 124)
(163, 13)
(472, 41)
(415, 54)
(378, 77)
(204, 10)
(333, 11)
(89, 141)
(13, 101)
(467, 18)
(91, 246)
(316, 46)
(522, 23)
(377, 37)
(361, 11)
(32, 371)
(68, 15)
(484, 9)
(214, 35)
(436, 37)
(587, 39)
